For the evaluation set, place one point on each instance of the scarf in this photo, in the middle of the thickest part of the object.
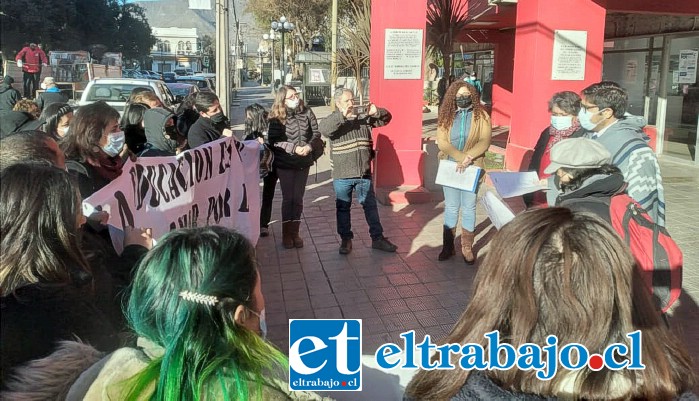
(108, 167)
(558, 135)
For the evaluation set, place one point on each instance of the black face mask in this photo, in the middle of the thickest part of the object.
(171, 131)
(218, 118)
(463, 102)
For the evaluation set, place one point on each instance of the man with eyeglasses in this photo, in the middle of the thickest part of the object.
(603, 115)
(349, 131)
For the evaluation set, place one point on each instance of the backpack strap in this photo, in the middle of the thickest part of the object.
(626, 149)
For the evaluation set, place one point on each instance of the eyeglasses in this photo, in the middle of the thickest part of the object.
(587, 108)
(294, 96)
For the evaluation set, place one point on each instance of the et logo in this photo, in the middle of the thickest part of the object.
(325, 354)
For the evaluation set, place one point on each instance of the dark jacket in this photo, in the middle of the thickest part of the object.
(543, 142)
(9, 96)
(37, 316)
(15, 121)
(201, 132)
(352, 148)
(299, 129)
(157, 144)
(89, 180)
(594, 195)
(46, 98)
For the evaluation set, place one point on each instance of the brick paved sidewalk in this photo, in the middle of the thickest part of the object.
(411, 289)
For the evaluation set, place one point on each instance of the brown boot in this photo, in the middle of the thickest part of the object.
(447, 244)
(287, 236)
(298, 241)
(467, 246)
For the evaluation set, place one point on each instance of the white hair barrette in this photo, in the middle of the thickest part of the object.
(199, 298)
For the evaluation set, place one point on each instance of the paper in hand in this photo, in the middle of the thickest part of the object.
(497, 210)
(510, 184)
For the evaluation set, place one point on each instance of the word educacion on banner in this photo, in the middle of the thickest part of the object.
(544, 360)
(207, 185)
(163, 183)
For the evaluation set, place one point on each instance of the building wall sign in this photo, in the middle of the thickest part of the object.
(569, 49)
(403, 54)
(687, 73)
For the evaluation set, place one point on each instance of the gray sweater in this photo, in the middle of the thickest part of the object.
(350, 142)
(625, 140)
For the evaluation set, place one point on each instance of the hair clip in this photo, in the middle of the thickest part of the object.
(199, 298)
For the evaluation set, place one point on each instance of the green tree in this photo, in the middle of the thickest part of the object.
(357, 39)
(134, 36)
(445, 19)
(74, 25)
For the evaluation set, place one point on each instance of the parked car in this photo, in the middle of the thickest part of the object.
(183, 71)
(116, 91)
(155, 74)
(133, 74)
(181, 90)
(169, 77)
(204, 83)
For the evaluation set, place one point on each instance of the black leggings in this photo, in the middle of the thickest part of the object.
(293, 183)
(31, 83)
(268, 188)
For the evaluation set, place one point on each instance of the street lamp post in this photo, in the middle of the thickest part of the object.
(261, 52)
(282, 26)
(271, 37)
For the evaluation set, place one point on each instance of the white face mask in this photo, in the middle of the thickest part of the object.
(64, 133)
(561, 122)
(292, 103)
(43, 86)
(115, 143)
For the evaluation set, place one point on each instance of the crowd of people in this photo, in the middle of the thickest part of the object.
(194, 324)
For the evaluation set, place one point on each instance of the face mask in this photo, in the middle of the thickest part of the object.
(585, 119)
(43, 86)
(263, 322)
(65, 132)
(463, 102)
(115, 143)
(292, 103)
(561, 122)
(218, 118)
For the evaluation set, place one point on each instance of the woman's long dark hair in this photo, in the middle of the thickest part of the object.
(256, 125)
(447, 111)
(555, 271)
(51, 116)
(86, 129)
(39, 211)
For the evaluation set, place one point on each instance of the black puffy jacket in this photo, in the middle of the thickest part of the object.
(298, 130)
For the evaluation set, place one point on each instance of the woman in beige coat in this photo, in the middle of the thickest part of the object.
(463, 136)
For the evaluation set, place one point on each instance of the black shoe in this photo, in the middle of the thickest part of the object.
(264, 232)
(383, 244)
(346, 246)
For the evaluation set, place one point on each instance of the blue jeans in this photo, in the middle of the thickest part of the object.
(455, 199)
(343, 203)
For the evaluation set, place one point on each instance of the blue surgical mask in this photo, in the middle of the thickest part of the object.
(115, 143)
(585, 119)
(561, 122)
(263, 322)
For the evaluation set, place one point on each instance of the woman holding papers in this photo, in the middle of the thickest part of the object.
(463, 136)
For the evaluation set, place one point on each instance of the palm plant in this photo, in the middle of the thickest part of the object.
(357, 38)
(445, 19)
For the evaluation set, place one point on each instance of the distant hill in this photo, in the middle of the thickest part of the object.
(176, 13)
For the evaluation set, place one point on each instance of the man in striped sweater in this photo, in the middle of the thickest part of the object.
(352, 151)
(602, 114)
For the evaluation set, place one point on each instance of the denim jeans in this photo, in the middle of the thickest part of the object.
(455, 199)
(343, 203)
(293, 183)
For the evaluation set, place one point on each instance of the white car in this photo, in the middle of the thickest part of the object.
(116, 91)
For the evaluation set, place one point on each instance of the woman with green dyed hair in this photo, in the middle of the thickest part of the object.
(196, 305)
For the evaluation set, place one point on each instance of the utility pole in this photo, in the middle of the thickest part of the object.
(333, 56)
(222, 59)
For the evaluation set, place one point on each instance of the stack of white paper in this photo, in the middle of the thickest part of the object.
(509, 184)
(448, 176)
(497, 210)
